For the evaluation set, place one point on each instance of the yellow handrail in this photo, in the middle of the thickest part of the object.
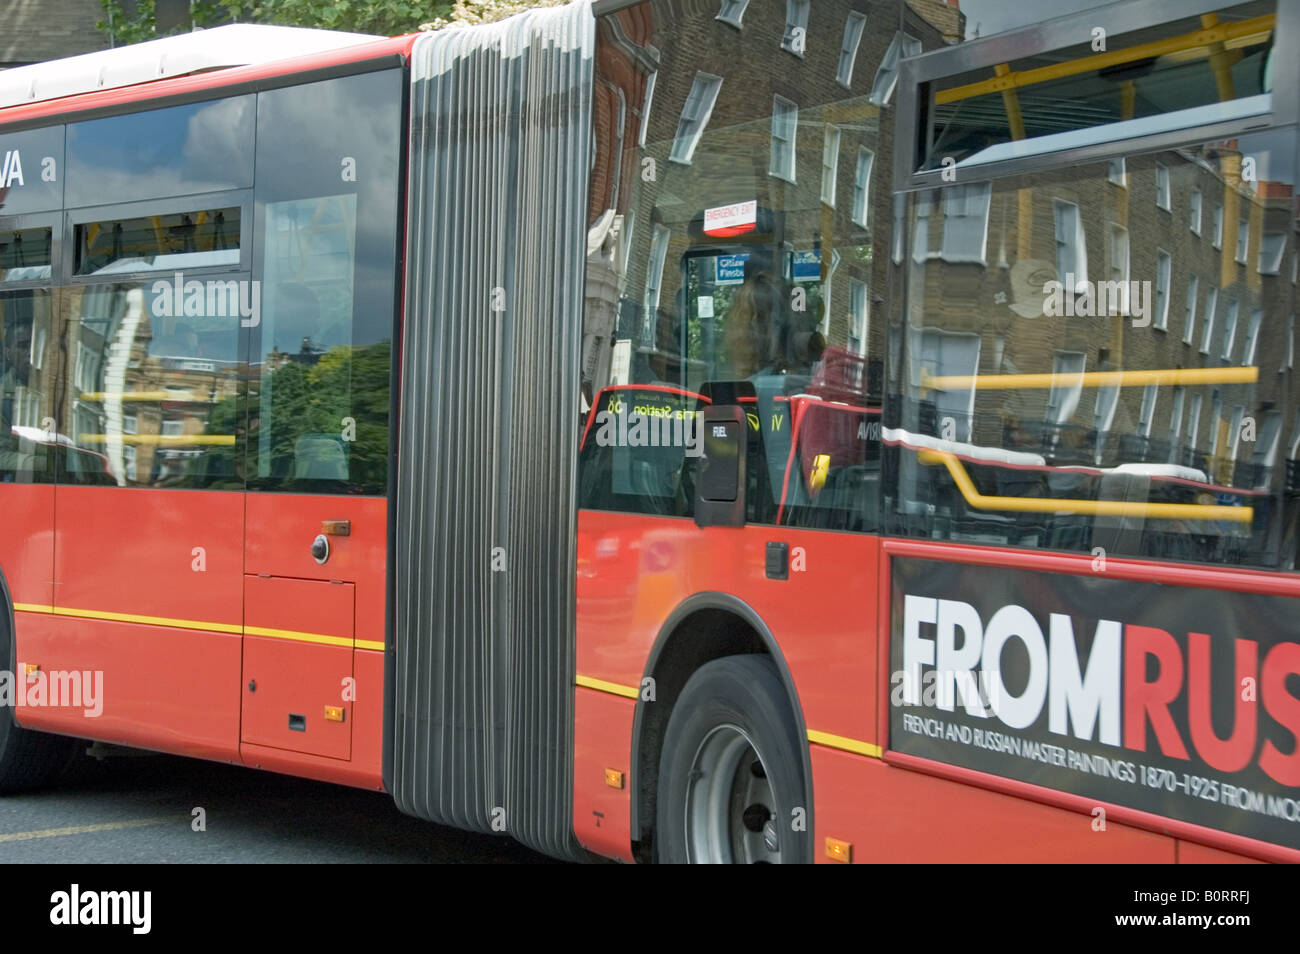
(1092, 508)
(1221, 33)
(1091, 379)
(167, 440)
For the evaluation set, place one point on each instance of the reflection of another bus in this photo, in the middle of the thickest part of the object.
(1055, 524)
(75, 465)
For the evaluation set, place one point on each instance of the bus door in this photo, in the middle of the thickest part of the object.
(315, 554)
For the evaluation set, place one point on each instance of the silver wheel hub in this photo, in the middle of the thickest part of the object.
(731, 815)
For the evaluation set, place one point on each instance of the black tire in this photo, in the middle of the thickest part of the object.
(28, 759)
(713, 805)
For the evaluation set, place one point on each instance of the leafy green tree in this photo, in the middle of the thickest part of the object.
(143, 24)
(381, 17)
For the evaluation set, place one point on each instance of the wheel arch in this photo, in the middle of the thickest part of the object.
(8, 625)
(672, 660)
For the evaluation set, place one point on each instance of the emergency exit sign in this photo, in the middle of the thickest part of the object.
(731, 219)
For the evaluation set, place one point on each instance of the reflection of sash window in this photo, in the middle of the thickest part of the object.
(1266, 444)
(1104, 414)
(1067, 386)
(653, 283)
(965, 222)
(862, 191)
(1071, 249)
(695, 116)
(1193, 428)
(948, 353)
(1176, 424)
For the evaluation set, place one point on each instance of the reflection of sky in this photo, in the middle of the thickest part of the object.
(998, 16)
(123, 158)
(1274, 154)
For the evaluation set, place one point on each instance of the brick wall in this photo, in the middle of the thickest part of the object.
(32, 31)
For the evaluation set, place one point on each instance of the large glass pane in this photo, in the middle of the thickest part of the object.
(180, 150)
(326, 217)
(756, 272)
(28, 388)
(1047, 405)
(26, 254)
(1204, 69)
(193, 238)
(31, 171)
(153, 383)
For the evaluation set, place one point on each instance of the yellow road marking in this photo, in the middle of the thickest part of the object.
(89, 829)
(842, 742)
(614, 688)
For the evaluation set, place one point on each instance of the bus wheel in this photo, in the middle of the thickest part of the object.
(29, 759)
(731, 781)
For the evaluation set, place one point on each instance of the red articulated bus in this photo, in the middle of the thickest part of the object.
(724, 432)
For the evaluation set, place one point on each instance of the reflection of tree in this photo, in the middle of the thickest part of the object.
(313, 400)
(224, 464)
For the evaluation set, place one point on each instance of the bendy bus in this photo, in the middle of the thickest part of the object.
(727, 430)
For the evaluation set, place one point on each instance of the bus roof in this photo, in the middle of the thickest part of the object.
(176, 65)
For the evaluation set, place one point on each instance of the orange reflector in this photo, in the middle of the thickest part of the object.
(841, 851)
(613, 778)
(336, 528)
(32, 668)
(333, 713)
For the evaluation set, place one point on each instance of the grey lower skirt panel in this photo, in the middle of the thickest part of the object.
(484, 559)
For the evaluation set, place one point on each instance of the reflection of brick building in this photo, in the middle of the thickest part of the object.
(827, 109)
(1181, 221)
(141, 389)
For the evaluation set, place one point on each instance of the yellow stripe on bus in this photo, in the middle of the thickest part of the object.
(844, 743)
(299, 637)
(600, 685)
(199, 624)
(148, 620)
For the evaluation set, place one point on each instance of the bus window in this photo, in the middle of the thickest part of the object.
(153, 393)
(326, 217)
(179, 150)
(32, 182)
(28, 387)
(26, 254)
(193, 238)
(1092, 367)
(1172, 76)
